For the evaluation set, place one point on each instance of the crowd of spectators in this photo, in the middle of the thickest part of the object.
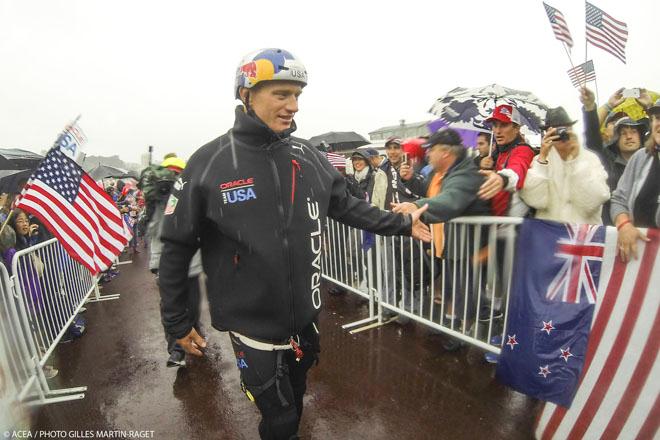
(612, 177)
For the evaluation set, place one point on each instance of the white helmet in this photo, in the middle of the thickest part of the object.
(269, 65)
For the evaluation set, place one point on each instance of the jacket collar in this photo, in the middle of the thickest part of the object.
(517, 141)
(251, 130)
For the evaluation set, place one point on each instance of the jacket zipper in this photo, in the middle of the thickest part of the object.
(294, 166)
(285, 238)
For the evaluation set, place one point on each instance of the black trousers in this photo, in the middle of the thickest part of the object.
(193, 313)
(276, 382)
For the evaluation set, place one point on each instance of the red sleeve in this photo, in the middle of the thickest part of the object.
(519, 162)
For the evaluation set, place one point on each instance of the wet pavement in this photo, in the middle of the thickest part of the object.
(394, 382)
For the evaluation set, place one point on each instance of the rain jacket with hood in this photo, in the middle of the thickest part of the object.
(256, 203)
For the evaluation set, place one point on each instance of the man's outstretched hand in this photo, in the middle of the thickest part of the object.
(420, 231)
(192, 343)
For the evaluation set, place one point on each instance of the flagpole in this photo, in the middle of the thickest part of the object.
(584, 84)
(6, 221)
(586, 43)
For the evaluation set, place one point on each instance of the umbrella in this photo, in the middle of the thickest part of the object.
(468, 108)
(340, 140)
(105, 171)
(11, 181)
(17, 159)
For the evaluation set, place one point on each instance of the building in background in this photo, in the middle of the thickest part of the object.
(403, 131)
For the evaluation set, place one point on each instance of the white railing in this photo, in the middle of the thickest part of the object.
(464, 294)
(50, 289)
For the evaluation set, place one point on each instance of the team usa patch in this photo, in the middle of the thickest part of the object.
(239, 190)
(240, 360)
(171, 205)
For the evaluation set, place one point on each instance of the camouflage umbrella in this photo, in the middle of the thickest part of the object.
(468, 108)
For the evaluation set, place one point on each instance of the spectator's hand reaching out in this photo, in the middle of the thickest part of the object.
(420, 231)
(404, 208)
(494, 183)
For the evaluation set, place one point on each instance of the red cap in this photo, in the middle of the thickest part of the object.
(505, 113)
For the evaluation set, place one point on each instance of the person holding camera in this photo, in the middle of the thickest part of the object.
(565, 182)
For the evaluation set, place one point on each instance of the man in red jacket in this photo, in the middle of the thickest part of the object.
(512, 157)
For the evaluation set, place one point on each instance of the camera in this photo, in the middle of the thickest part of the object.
(630, 93)
(562, 132)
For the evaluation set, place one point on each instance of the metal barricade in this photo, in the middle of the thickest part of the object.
(17, 365)
(50, 289)
(463, 293)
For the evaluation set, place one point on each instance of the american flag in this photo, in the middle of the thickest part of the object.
(606, 32)
(73, 207)
(618, 393)
(575, 276)
(337, 160)
(583, 73)
(559, 26)
(71, 140)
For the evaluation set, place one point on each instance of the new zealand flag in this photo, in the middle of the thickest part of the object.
(553, 296)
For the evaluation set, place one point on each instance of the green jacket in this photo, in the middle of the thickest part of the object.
(458, 194)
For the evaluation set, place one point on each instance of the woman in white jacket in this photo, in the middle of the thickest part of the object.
(565, 182)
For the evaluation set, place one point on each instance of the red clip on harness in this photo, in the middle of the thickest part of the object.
(296, 349)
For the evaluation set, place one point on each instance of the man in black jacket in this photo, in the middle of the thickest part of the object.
(255, 201)
(627, 138)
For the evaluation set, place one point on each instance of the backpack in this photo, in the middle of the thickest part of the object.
(156, 184)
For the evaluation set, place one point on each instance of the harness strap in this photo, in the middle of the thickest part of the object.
(258, 345)
(280, 371)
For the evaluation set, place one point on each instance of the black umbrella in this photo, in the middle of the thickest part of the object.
(340, 140)
(105, 171)
(12, 181)
(17, 159)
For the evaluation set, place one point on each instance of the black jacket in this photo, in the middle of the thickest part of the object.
(256, 202)
(608, 154)
(397, 191)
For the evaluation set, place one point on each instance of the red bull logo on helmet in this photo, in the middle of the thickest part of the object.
(270, 64)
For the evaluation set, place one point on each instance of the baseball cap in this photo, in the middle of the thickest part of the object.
(505, 113)
(393, 140)
(371, 152)
(445, 136)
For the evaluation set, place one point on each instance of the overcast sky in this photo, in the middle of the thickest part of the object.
(161, 73)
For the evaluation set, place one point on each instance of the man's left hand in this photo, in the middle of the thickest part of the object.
(404, 208)
(420, 231)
